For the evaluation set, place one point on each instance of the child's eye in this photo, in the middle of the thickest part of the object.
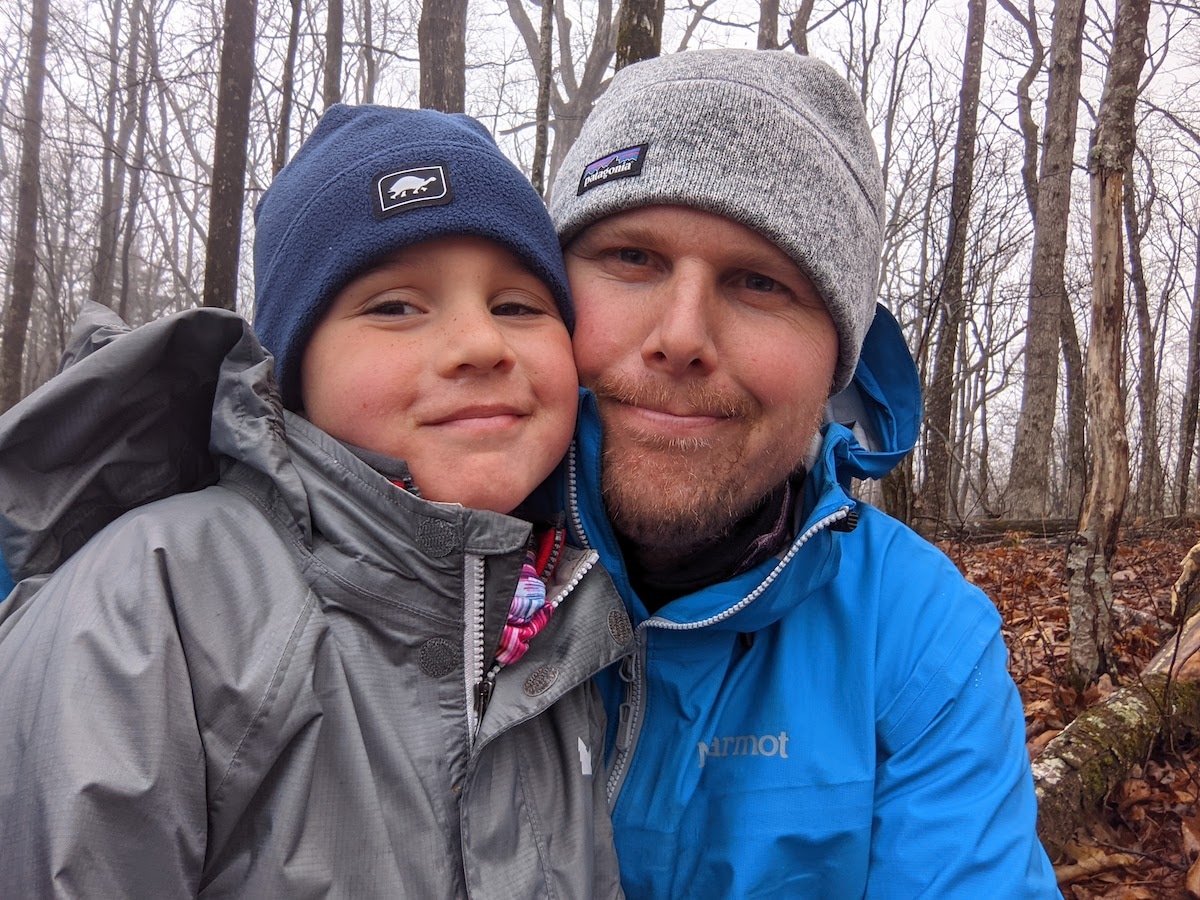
(517, 308)
(392, 307)
(520, 303)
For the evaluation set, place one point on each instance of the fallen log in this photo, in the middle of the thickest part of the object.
(1078, 769)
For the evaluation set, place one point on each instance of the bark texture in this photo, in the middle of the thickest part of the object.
(639, 31)
(442, 45)
(229, 157)
(1029, 476)
(1110, 158)
(1078, 769)
(939, 397)
(20, 301)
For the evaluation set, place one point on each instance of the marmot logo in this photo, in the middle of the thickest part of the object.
(399, 191)
(744, 745)
(621, 164)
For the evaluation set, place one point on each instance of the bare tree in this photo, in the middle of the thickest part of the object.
(370, 65)
(935, 490)
(578, 84)
(799, 25)
(335, 26)
(1191, 390)
(229, 157)
(20, 301)
(287, 90)
(1149, 497)
(1109, 160)
(545, 80)
(116, 138)
(639, 31)
(442, 45)
(1030, 471)
(768, 25)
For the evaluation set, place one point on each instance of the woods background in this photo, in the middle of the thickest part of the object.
(137, 135)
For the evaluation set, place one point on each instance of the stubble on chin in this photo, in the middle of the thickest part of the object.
(671, 495)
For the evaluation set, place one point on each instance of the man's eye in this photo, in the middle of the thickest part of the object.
(761, 283)
(633, 256)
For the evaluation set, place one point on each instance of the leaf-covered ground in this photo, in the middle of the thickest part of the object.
(1149, 836)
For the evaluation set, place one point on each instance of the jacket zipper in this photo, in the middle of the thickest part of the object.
(480, 684)
(629, 720)
(477, 687)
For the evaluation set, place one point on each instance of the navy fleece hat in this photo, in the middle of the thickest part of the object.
(367, 182)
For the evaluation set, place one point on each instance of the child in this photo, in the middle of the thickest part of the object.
(303, 651)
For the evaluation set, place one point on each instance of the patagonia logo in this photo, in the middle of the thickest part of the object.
(622, 164)
(744, 745)
(397, 192)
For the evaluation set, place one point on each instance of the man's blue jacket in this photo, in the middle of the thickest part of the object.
(837, 722)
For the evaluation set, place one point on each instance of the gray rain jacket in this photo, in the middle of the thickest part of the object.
(257, 676)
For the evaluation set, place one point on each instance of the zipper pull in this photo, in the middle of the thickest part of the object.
(483, 696)
(628, 673)
(625, 727)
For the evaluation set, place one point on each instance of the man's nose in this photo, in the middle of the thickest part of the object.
(681, 341)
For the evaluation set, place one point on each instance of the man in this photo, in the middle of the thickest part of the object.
(819, 705)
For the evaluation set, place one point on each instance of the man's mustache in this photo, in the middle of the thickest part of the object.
(682, 398)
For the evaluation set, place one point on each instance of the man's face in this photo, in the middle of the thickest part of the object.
(452, 355)
(711, 356)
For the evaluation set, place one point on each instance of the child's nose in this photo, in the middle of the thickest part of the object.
(475, 341)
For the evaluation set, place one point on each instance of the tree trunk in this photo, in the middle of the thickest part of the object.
(768, 25)
(639, 31)
(134, 199)
(1149, 498)
(1191, 390)
(545, 81)
(1109, 159)
(1029, 474)
(287, 90)
(1075, 466)
(1029, 128)
(572, 98)
(939, 403)
(798, 27)
(335, 26)
(369, 62)
(114, 161)
(442, 45)
(20, 302)
(229, 157)
(1079, 768)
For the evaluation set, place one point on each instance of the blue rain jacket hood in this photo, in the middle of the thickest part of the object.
(836, 722)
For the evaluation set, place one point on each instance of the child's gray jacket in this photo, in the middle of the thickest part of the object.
(266, 687)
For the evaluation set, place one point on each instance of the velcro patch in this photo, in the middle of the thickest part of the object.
(622, 164)
(400, 191)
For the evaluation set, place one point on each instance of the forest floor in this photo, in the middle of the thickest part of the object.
(1149, 835)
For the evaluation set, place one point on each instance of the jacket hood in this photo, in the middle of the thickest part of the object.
(881, 408)
(129, 421)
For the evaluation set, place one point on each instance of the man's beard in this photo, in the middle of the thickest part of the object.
(673, 496)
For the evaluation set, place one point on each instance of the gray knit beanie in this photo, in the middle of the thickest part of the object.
(775, 141)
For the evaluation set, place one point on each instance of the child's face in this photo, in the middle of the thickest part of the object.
(452, 356)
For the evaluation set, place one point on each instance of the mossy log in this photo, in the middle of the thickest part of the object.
(1078, 769)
